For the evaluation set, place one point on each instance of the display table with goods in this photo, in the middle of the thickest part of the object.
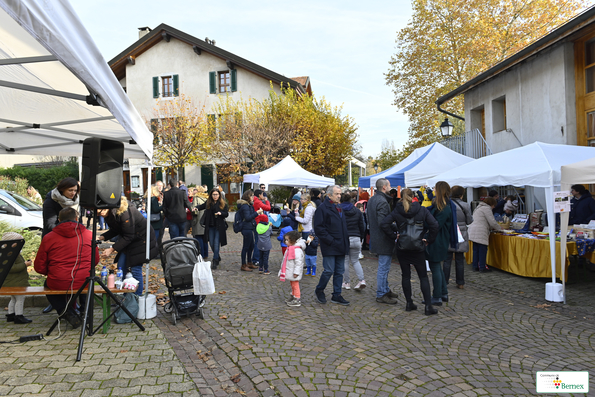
(527, 254)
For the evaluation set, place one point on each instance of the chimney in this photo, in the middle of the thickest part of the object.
(143, 31)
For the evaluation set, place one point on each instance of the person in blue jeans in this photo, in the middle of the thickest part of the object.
(130, 226)
(175, 202)
(216, 212)
(246, 209)
(331, 229)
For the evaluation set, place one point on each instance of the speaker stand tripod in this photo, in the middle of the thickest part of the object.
(87, 326)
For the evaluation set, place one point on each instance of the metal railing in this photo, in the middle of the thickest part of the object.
(471, 143)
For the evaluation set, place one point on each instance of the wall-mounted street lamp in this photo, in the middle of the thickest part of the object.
(376, 167)
(446, 128)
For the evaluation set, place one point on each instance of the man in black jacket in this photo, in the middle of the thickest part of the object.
(175, 202)
(331, 229)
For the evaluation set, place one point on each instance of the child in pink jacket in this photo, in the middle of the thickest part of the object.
(293, 265)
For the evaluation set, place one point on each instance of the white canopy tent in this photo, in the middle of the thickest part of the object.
(538, 165)
(56, 89)
(582, 172)
(288, 173)
(420, 165)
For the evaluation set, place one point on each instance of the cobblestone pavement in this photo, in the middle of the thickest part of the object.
(489, 339)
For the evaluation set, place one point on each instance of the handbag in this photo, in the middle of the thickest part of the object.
(202, 278)
(155, 217)
(460, 235)
(130, 302)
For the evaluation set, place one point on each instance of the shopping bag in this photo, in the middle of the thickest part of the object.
(130, 302)
(202, 278)
(461, 238)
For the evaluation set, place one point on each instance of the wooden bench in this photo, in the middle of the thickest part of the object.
(100, 296)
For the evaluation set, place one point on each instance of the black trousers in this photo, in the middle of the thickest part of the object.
(418, 261)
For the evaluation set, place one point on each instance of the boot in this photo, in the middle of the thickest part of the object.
(20, 319)
(313, 271)
(48, 309)
(245, 268)
(10, 318)
(430, 310)
(251, 265)
(410, 306)
(308, 270)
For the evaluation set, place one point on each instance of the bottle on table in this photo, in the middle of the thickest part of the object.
(104, 275)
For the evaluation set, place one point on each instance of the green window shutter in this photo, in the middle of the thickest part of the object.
(234, 80)
(155, 87)
(176, 85)
(212, 82)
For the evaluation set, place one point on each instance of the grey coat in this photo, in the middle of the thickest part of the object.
(464, 218)
(197, 229)
(378, 209)
(483, 222)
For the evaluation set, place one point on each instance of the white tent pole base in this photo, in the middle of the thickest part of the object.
(554, 292)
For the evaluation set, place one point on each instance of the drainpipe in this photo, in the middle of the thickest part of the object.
(438, 103)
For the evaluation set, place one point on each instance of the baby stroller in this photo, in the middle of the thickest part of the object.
(178, 257)
(275, 218)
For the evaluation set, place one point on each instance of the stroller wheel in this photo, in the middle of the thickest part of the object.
(200, 314)
(168, 307)
(174, 318)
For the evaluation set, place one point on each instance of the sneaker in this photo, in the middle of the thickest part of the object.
(289, 299)
(386, 299)
(260, 271)
(360, 286)
(338, 299)
(392, 294)
(294, 302)
(361, 256)
(266, 273)
(320, 296)
(346, 286)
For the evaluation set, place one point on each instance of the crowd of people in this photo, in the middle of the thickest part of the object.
(427, 230)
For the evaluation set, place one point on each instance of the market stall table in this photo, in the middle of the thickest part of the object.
(524, 256)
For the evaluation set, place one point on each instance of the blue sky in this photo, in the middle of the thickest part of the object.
(344, 46)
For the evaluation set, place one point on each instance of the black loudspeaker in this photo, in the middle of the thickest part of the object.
(101, 186)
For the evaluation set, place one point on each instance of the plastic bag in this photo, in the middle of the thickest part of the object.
(202, 278)
(460, 235)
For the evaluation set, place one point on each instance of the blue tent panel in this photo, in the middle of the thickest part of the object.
(398, 178)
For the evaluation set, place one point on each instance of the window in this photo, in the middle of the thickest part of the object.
(222, 82)
(499, 114)
(166, 86)
(135, 181)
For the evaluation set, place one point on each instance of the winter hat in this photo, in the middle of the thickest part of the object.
(262, 219)
(12, 236)
(297, 197)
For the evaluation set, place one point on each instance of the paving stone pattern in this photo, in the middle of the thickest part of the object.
(490, 339)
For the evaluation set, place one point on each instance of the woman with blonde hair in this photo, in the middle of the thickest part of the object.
(155, 216)
(418, 228)
(198, 229)
(437, 252)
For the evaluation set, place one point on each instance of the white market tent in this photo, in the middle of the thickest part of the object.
(49, 69)
(56, 89)
(420, 165)
(582, 172)
(288, 173)
(539, 165)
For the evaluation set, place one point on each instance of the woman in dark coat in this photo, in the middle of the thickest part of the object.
(437, 252)
(130, 226)
(156, 210)
(216, 212)
(464, 218)
(64, 195)
(246, 209)
(406, 209)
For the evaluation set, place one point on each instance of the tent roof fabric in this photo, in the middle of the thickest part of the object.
(580, 172)
(49, 67)
(537, 164)
(288, 173)
(419, 166)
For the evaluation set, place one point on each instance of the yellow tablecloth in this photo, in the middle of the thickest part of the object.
(523, 256)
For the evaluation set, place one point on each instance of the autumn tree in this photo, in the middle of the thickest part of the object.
(181, 133)
(447, 42)
(255, 135)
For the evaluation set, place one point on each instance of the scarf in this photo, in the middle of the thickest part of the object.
(289, 254)
(64, 201)
(302, 212)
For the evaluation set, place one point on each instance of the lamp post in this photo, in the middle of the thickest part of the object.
(446, 128)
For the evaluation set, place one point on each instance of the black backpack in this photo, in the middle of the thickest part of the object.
(237, 222)
(411, 234)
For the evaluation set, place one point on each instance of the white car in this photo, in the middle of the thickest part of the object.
(20, 212)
